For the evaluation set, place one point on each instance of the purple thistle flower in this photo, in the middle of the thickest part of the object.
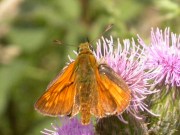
(70, 127)
(128, 62)
(163, 57)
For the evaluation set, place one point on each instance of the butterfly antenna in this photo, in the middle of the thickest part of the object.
(109, 27)
(58, 42)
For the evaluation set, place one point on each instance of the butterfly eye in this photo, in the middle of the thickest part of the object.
(91, 48)
(78, 49)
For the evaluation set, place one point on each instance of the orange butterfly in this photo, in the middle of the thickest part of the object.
(86, 87)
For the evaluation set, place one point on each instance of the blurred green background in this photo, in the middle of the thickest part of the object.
(29, 59)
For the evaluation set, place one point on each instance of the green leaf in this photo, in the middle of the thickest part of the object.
(9, 76)
(29, 40)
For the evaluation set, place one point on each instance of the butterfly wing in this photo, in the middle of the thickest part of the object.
(58, 99)
(113, 93)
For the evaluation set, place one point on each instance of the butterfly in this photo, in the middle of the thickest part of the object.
(86, 87)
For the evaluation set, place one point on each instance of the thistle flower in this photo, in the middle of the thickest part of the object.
(163, 59)
(128, 62)
(70, 127)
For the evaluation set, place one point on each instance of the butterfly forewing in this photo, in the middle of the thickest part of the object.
(114, 94)
(58, 99)
(65, 75)
(113, 76)
(117, 87)
(106, 105)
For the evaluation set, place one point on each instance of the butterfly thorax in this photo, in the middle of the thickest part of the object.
(85, 48)
(86, 82)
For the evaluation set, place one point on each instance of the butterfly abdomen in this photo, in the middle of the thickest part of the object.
(85, 87)
(85, 90)
(85, 113)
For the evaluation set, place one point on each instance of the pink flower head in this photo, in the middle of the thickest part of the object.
(127, 60)
(70, 127)
(163, 57)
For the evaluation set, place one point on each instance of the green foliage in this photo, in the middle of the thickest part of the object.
(168, 108)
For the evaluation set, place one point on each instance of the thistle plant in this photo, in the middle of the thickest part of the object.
(163, 59)
(70, 127)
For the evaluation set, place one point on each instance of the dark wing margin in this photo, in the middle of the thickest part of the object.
(113, 76)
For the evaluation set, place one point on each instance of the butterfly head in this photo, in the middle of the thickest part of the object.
(85, 48)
